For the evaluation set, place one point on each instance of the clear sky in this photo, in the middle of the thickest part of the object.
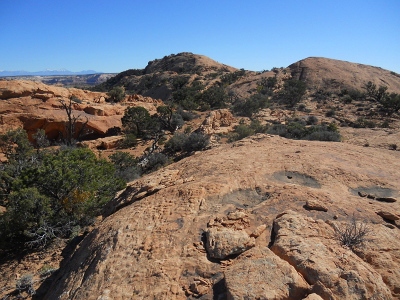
(116, 35)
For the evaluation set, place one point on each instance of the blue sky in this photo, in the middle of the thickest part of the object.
(116, 35)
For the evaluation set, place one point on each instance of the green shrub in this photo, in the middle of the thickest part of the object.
(117, 94)
(126, 166)
(312, 120)
(364, 123)
(130, 140)
(186, 115)
(46, 193)
(46, 270)
(168, 119)
(196, 142)
(250, 106)
(391, 103)
(176, 142)
(385, 124)
(301, 107)
(242, 131)
(230, 78)
(296, 129)
(154, 162)
(136, 120)
(184, 142)
(330, 113)
(213, 97)
(292, 92)
(347, 99)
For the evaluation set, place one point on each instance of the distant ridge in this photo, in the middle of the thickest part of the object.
(61, 72)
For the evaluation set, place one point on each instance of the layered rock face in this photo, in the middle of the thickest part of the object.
(33, 105)
(233, 223)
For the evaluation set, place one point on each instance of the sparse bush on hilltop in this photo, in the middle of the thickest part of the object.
(230, 78)
(389, 102)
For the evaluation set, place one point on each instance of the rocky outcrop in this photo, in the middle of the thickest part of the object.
(33, 105)
(153, 240)
(218, 121)
(331, 270)
(260, 274)
(140, 98)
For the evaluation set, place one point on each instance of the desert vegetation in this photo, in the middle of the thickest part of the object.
(47, 193)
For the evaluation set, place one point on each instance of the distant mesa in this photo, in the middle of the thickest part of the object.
(46, 73)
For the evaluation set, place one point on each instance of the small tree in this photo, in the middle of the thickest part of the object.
(71, 131)
(169, 120)
(136, 120)
(292, 92)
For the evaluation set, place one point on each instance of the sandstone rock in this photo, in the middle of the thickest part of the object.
(313, 296)
(33, 105)
(94, 111)
(260, 274)
(258, 231)
(223, 242)
(106, 143)
(316, 205)
(388, 215)
(217, 119)
(308, 245)
(152, 248)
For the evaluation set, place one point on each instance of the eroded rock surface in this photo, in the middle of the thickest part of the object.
(260, 274)
(333, 271)
(151, 242)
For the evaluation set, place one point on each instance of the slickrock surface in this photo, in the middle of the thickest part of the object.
(152, 243)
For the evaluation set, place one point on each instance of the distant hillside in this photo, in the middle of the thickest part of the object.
(331, 74)
(162, 77)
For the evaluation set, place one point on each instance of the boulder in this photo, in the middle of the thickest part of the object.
(387, 215)
(260, 274)
(217, 119)
(224, 242)
(333, 271)
(315, 205)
